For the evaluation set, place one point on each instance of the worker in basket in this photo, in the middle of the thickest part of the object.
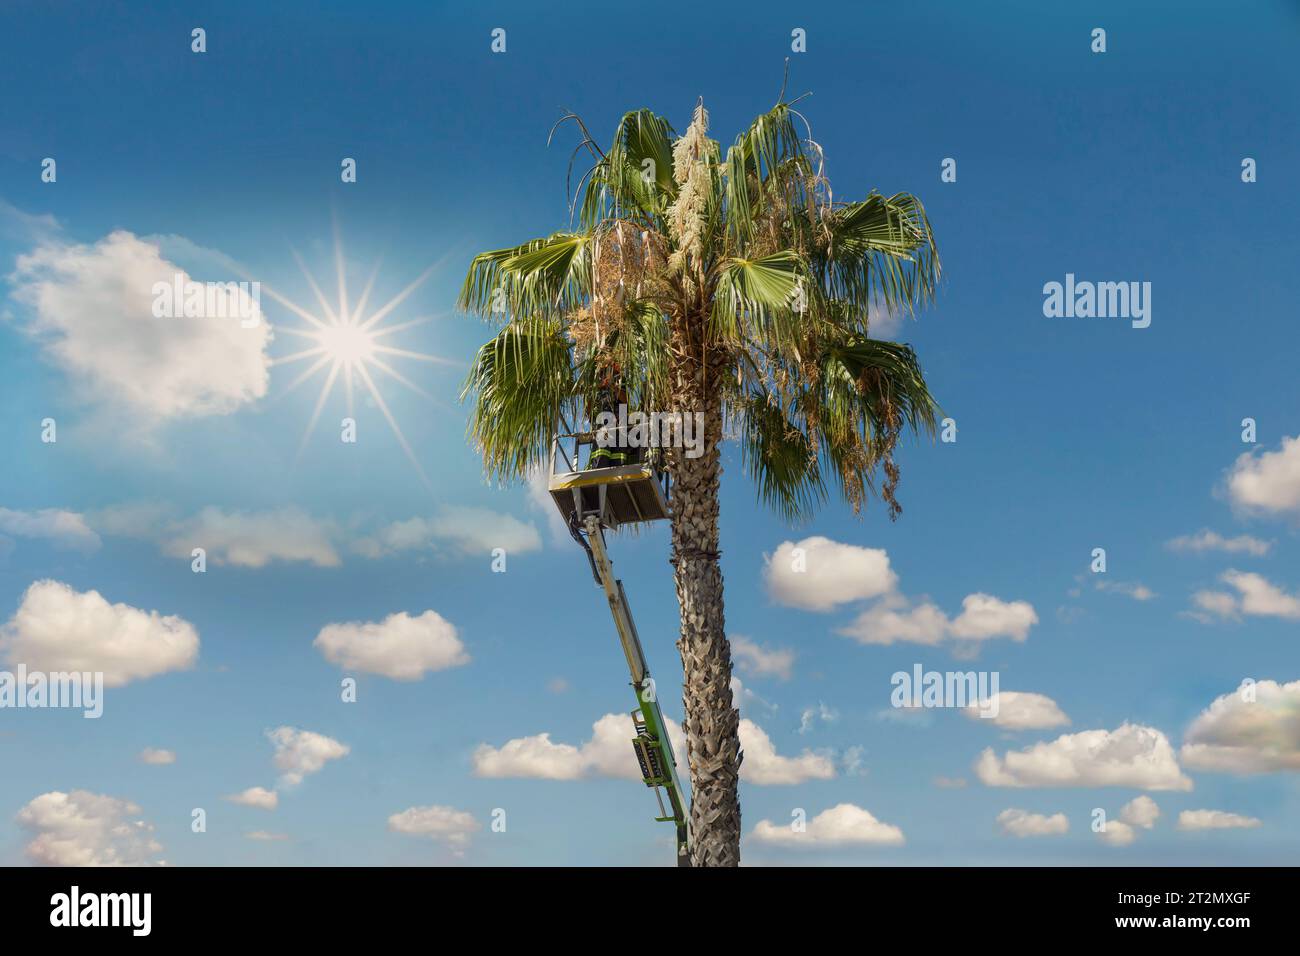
(611, 449)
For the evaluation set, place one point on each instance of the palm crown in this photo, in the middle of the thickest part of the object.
(743, 266)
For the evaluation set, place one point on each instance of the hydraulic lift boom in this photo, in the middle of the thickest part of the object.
(590, 499)
(654, 751)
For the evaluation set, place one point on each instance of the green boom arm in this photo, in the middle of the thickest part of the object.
(654, 752)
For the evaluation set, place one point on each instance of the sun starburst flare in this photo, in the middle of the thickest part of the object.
(348, 344)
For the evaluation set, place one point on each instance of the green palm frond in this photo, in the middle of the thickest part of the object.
(780, 459)
(881, 251)
(759, 297)
(642, 135)
(541, 277)
(771, 141)
(647, 355)
(521, 382)
(635, 177)
(840, 413)
(885, 376)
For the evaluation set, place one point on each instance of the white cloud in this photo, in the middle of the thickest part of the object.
(885, 322)
(1019, 710)
(540, 501)
(1268, 482)
(26, 226)
(87, 829)
(1206, 540)
(58, 629)
(1256, 729)
(136, 519)
(1260, 597)
(536, 757)
(265, 835)
(156, 757)
(1131, 756)
(817, 574)
(1215, 820)
(435, 823)
(841, 825)
(1141, 811)
(258, 797)
(1138, 592)
(812, 715)
(745, 698)
(1256, 596)
(853, 760)
(609, 754)
(92, 312)
(754, 658)
(409, 535)
(64, 529)
(893, 620)
(1022, 823)
(1117, 833)
(479, 531)
(253, 539)
(400, 647)
(468, 531)
(984, 616)
(302, 752)
(1210, 604)
(765, 767)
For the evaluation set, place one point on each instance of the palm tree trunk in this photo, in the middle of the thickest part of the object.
(713, 744)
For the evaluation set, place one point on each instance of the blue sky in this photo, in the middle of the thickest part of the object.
(1073, 434)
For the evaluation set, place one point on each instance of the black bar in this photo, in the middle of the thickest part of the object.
(484, 906)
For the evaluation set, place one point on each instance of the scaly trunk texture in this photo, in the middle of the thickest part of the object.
(712, 722)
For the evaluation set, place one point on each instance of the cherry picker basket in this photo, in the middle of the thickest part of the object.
(626, 492)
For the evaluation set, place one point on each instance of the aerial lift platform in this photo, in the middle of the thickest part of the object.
(593, 500)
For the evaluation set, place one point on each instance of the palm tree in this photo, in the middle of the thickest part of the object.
(735, 287)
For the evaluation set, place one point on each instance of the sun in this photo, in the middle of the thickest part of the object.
(349, 345)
